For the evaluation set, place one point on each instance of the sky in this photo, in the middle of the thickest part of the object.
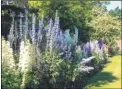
(114, 4)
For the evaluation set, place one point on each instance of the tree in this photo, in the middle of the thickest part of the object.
(104, 26)
(71, 13)
(116, 13)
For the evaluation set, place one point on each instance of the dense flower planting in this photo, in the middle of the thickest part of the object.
(61, 63)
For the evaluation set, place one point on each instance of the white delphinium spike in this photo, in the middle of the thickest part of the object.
(11, 32)
(33, 28)
(7, 56)
(20, 26)
(52, 38)
(26, 56)
(92, 45)
(26, 24)
(56, 25)
(22, 59)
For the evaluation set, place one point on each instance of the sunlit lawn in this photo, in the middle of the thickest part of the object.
(109, 77)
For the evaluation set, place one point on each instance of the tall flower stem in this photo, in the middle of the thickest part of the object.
(33, 28)
(11, 32)
(26, 24)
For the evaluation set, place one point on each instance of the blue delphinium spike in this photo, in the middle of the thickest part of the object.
(39, 34)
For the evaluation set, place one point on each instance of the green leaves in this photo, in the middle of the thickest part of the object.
(60, 70)
(104, 25)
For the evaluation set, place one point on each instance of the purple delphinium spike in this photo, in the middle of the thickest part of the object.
(100, 42)
(48, 34)
(55, 33)
(55, 30)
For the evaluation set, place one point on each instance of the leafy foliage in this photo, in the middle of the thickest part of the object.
(116, 13)
(104, 26)
(59, 71)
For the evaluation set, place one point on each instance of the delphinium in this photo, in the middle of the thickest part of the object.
(26, 61)
(96, 48)
(7, 56)
(48, 34)
(100, 46)
(11, 32)
(20, 26)
(52, 39)
(33, 29)
(69, 52)
(16, 33)
(56, 26)
(55, 32)
(92, 46)
(76, 36)
(60, 44)
(56, 39)
(26, 25)
(39, 34)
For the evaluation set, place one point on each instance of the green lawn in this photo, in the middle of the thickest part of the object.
(109, 77)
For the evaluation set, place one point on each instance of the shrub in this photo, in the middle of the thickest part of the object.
(57, 71)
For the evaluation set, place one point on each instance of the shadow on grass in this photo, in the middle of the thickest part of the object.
(101, 78)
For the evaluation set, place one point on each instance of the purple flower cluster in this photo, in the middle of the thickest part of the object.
(56, 39)
(54, 35)
(91, 46)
